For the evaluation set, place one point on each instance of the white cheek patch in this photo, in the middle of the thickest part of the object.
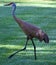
(37, 34)
(40, 32)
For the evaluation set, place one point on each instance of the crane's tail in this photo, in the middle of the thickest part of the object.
(46, 38)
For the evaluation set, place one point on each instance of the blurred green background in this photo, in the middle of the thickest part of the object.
(41, 13)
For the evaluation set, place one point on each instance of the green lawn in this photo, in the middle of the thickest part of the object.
(12, 37)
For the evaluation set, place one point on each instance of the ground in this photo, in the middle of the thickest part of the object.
(12, 37)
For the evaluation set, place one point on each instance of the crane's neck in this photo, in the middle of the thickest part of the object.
(13, 9)
(13, 13)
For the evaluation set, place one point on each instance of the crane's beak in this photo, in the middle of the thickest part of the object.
(8, 4)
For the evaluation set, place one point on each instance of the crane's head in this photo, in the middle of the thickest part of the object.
(13, 7)
(11, 3)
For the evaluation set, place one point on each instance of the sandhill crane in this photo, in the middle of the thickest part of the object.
(30, 30)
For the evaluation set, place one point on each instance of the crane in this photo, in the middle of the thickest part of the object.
(30, 30)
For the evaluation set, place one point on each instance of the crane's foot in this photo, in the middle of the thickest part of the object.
(35, 58)
(11, 56)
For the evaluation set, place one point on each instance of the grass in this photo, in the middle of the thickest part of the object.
(30, 1)
(12, 37)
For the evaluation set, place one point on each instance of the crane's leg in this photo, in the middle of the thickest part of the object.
(19, 50)
(34, 48)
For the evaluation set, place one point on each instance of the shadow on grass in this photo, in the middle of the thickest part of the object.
(44, 56)
(26, 57)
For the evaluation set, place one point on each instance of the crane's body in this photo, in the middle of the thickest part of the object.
(30, 30)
